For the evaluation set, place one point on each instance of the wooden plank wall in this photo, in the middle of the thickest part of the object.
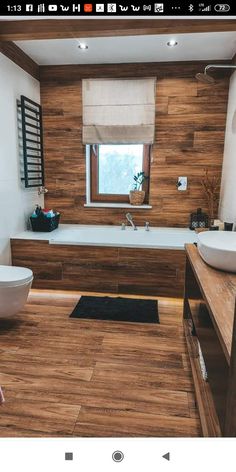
(102, 269)
(190, 126)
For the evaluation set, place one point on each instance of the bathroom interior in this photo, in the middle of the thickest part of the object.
(117, 229)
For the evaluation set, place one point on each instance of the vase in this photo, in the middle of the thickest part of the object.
(136, 197)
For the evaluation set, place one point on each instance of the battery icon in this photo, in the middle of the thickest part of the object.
(222, 7)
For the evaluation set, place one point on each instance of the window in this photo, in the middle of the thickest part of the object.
(113, 167)
(118, 111)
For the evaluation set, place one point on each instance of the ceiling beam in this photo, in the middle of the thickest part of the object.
(15, 54)
(26, 30)
(74, 73)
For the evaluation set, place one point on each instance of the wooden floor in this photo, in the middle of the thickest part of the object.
(70, 377)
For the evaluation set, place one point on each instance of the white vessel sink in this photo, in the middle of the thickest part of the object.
(218, 249)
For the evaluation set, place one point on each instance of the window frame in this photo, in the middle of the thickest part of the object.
(97, 197)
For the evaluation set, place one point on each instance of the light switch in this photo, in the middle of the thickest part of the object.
(182, 183)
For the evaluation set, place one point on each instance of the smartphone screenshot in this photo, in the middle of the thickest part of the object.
(117, 236)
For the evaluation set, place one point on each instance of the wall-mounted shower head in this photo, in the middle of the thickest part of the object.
(206, 78)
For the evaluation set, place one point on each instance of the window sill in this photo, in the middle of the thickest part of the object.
(117, 205)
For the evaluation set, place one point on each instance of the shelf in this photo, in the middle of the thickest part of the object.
(219, 290)
(208, 321)
(207, 412)
(117, 205)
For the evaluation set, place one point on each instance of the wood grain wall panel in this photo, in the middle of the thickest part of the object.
(162, 105)
(188, 106)
(190, 126)
(204, 139)
(70, 74)
(102, 269)
(217, 90)
(195, 122)
(178, 87)
(147, 286)
(151, 271)
(90, 279)
(194, 157)
(173, 139)
(33, 250)
(151, 256)
(43, 271)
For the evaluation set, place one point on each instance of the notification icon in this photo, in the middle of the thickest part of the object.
(88, 7)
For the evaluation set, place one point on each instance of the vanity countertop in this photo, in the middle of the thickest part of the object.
(219, 290)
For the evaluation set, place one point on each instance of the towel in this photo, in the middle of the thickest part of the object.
(2, 399)
(202, 363)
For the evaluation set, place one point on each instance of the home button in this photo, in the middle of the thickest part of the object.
(117, 456)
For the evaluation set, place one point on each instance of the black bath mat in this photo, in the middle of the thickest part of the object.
(117, 309)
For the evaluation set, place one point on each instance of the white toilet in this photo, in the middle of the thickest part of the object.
(15, 283)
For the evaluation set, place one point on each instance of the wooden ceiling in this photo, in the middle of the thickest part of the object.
(15, 54)
(26, 30)
(54, 29)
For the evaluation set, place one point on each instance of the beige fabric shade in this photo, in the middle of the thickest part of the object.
(118, 111)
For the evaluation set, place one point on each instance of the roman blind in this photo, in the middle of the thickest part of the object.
(118, 111)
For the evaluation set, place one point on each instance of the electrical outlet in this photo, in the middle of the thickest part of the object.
(182, 183)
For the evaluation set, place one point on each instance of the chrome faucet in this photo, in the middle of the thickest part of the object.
(130, 220)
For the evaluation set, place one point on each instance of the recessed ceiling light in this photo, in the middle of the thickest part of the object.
(172, 43)
(83, 46)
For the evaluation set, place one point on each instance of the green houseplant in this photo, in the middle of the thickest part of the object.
(137, 196)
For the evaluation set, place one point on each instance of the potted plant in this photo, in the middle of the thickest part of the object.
(137, 196)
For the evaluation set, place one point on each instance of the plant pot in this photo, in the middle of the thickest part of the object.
(136, 197)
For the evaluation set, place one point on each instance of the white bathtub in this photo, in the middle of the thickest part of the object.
(114, 236)
(114, 261)
(156, 238)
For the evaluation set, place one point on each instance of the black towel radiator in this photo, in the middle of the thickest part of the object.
(31, 142)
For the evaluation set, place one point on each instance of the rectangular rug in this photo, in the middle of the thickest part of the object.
(117, 309)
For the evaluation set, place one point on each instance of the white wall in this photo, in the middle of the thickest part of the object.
(227, 207)
(16, 203)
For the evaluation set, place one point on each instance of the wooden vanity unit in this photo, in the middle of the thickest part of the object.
(209, 321)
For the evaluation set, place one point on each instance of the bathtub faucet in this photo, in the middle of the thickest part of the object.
(130, 220)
